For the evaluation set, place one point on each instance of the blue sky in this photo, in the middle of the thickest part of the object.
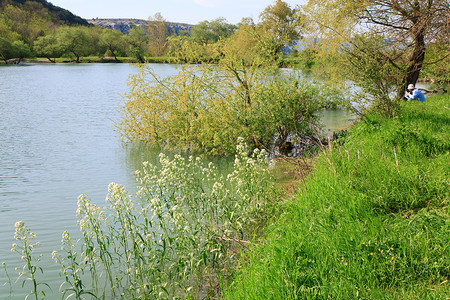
(183, 11)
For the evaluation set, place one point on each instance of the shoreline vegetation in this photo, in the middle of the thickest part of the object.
(91, 59)
(371, 220)
(287, 62)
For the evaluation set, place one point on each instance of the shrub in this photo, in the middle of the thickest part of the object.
(207, 108)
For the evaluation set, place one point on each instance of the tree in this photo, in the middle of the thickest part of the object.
(210, 32)
(75, 41)
(49, 47)
(183, 49)
(207, 108)
(21, 50)
(16, 49)
(435, 68)
(252, 45)
(408, 28)
(6, 30)
(157, 34)
(137, 41)
(113, 40)
(6, 50)
(96, 48)
(30, 20)
(279, 19)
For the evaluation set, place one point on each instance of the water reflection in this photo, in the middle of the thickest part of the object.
(137, 153)
(335, 120)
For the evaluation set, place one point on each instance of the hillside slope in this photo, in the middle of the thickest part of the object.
(59, 15)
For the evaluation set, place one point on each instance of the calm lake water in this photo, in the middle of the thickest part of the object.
(57, 140)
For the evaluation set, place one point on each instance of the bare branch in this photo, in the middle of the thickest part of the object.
(438, 60)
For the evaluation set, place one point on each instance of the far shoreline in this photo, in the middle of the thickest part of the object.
(86, 60)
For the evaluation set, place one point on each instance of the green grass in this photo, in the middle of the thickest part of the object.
(372, 221)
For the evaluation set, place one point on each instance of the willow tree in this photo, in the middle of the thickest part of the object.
(407, 28)
(207, 107)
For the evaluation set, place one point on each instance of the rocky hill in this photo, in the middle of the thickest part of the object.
(124, 25)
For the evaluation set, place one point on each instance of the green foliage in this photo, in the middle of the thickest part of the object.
(16, 49)
(39, 23)
(58, 15)
(6, 50)
(207, 108)
(29, 21)
(21, 50)
(281, 21)
(252, 45)
(113, 40)
(437, 63)
(372, 221)
(182, 49)
(211, 31)
(137, 40)
(6, 29)
(304, 60)
(74, 41)
(48, 46)
(369, 66)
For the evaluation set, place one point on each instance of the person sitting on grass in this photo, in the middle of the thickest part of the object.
(414, 94)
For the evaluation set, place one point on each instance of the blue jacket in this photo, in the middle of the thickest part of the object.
(416, 95)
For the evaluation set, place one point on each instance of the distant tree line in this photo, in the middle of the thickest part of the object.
(39, 29)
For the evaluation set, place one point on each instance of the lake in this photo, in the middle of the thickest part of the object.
(57, 141)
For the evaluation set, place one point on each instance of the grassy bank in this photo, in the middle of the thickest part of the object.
(372, 221)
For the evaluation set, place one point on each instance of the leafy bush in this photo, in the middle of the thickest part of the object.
(207, 108)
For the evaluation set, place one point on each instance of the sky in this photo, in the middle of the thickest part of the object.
(180, 11)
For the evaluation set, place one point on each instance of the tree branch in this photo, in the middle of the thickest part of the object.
(373, 20)
(438, 60)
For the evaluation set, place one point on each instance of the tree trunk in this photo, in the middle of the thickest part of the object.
(416, 62)
(115, 57)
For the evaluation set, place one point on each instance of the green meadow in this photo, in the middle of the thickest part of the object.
(370, 222)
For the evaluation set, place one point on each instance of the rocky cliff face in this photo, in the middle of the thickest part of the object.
(124, 25)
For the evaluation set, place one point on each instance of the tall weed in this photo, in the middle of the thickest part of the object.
(176, 238)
